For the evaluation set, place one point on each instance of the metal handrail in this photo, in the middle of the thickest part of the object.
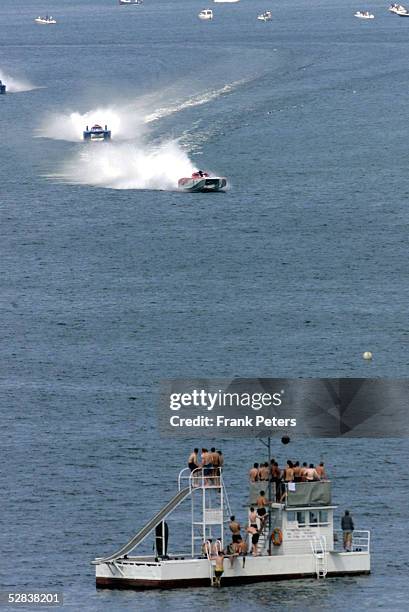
(361, 539)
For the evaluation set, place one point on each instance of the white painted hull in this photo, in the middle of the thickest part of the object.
(206, 183)
(142, 573)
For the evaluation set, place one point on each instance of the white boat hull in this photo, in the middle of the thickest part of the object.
(143, 573)
(206, 183)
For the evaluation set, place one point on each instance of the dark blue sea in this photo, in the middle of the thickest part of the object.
(111, 280)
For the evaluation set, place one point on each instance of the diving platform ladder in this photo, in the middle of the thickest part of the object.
(319, 550)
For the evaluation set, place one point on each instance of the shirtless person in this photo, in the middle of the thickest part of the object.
(311, 473)
(219, 568)
(252, 517)
(320, 469)
(297, 471)
(304, 471)
(193, 461)
(253, 473)
(288, 472)
(261, 502)
(215, 459)
(264, 472)
(207, 466)
(235, 529)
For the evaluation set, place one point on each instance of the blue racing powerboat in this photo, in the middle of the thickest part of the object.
(97, 133)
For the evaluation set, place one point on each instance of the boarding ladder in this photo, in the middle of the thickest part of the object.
(208, 549)
(319, 550)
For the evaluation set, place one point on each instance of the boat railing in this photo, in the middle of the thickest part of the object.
(361, 540)
(198, 479)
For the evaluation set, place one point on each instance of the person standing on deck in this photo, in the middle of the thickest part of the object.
(320, 469)
(253, 473)
(276, 479)
(347, 525)
(215, 458)
(207, 466)
(193, 461)
(311, 473)
(235, 529)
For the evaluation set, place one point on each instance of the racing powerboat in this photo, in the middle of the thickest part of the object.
(206, 14)
(364, 15)
(202, 181)
(2, 88)
(266, 16)
(97, 133)
(48, 20)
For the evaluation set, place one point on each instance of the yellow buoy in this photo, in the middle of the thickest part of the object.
(367, 355)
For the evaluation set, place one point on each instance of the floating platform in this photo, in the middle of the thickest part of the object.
(307, 545)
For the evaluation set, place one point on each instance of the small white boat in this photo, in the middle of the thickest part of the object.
(130, 2)
(266, 16)
(364, 15)
(225, 1)
(48, 20)
(206, 14)
(399, 10)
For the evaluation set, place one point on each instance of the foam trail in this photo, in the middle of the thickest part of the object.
(202, 98)
(127, 166)
(15, 85)
(124, 124)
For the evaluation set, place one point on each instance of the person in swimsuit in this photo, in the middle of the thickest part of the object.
(254, 473)
(235, 529)
(311, 473)
(193, 461)
(262, 500)
(219, 568)
(320, 469)
(252, 517)
(207, 466)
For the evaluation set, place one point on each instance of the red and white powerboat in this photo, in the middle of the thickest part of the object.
(202, 181)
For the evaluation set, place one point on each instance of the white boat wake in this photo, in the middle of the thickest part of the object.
(124, 123)
(197, 100)
(15, 85)
(127, 166)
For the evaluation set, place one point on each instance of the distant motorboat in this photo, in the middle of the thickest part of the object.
(399, 10)
(206, 14)
(2, 88)
(225, 1)
(266, 16)
(45, 20)
(130, 2)
(97, 133)
(364, 15)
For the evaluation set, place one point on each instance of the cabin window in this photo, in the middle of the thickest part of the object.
(313, 519)
(291, 518)
(323, 517)
(301, 519)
